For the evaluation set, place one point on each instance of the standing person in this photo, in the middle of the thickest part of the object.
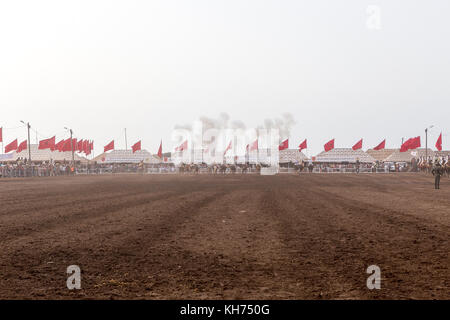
(357, 165)
(437, 172)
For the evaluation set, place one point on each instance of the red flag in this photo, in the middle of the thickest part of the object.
(1, 134)
(69, 145)
(79, 146)
(410, 144)
(11, 147)
(109, 146)
(254, 145)
(74, 144)
(228, 148)
(136, 146)
(358, 145)
(91, 146)
(66, 146)
(381, 146)
(59, 145)
(405, 146)
(47, 144)
(160, 150)
(329, 145)
(284, 145)
(86, 147)
(22, 146)
(416, 143)
(182, 147)
(303, 145)
(439, 143)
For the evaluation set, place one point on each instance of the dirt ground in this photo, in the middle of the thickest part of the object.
(225, 237)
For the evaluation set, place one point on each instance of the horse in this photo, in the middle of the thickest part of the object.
(223, 168)
(196, 169)
(425, 166)
(301, 166)
(446, 168)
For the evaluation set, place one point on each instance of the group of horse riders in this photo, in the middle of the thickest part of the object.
(438, 169)
(425, 165)
(217, 168)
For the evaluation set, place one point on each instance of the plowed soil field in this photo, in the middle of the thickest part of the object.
(225, 237)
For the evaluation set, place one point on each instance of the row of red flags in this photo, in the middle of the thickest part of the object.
(283, 145)
(86, 146)
(135, 147)
(82, 146)
(410, 144)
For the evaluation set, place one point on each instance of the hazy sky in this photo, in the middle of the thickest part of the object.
(101, 66)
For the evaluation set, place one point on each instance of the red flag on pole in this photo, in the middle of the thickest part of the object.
(284, 145)
(439, 143)
(358, 145)
(11, 147)
(22, 146)
(66, 146)
(329, 145)
(160, 150)
(405, 145)
(47, 144)
(79, 146)
(74, 144)
(228, 148)
(381, 146)
(109, 146)
(410, 144)
(85, 147)
(303, 145)
(416, 143)
(254, 145)
(136, 147)
(182, 147)
(59, 145)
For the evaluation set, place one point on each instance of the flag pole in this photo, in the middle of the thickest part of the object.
(126, 143)
(257, 146)
(29, 142)
(72, 146)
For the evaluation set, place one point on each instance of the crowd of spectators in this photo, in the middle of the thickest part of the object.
(22, 168)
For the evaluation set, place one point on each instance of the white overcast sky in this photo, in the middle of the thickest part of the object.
(101, 66)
